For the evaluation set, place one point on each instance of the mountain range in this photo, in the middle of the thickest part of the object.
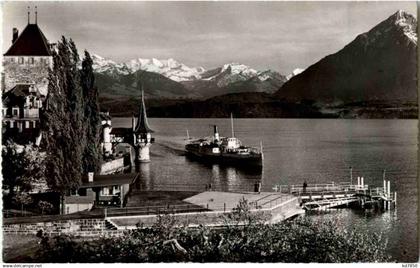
(374, 76)
(171, 79)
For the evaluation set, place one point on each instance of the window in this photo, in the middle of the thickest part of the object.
(15, 111)
(32, 60)
(105, 191)
(26, 124)
(21, 60)
(4, 112)
(12, 59)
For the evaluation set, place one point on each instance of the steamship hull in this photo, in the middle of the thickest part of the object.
(225, 158)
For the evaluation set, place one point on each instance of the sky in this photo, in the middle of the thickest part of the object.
(280, 36)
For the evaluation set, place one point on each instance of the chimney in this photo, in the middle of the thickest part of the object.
(90, 176)
(15, 35)
(216, 134)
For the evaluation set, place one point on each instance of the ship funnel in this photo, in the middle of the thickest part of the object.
(216, 134)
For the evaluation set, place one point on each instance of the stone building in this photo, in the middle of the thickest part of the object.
(28, 59)
(25, 83)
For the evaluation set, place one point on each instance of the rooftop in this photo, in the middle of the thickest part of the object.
(31, 42)
(109, 180)
(16, 96)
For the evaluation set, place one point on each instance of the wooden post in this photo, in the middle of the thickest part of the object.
(389, 189)
(395, 199)
(384, 189)
(383, 178)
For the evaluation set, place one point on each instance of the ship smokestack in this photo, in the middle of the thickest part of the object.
(15, 34)
(216, 134)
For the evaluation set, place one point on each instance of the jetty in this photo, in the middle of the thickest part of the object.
(210, 206)
(335, 195)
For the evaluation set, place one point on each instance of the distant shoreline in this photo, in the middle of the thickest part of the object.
(260, 106)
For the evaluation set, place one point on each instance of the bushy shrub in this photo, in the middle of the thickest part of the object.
(298, 240)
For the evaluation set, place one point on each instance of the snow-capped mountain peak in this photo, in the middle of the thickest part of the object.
(102, 65)
(239, 69)
(294, 73)
(179, 72)
(408, 23)
(170, 68)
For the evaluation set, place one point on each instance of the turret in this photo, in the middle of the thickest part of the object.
(142, 134)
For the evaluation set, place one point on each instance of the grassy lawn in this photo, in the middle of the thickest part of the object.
(19, 248)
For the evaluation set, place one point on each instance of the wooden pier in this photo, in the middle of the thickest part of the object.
(343, 194)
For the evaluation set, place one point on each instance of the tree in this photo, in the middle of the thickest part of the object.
(92, 152)
(23, 199)
(21, 167)
(62, 120)
(70, 119)
(45, 206)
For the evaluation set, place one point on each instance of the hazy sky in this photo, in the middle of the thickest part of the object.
(277, 35)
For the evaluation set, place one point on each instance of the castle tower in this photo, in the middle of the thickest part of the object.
(28, 59)
(142, 135)
(24, 82)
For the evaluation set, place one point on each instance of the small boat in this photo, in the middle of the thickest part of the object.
(224, 150)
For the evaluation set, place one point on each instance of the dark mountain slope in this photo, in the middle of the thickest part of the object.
(378, 65)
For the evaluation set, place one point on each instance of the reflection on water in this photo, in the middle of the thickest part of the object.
(144, 182)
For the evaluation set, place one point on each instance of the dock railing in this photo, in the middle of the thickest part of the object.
(267, 202)
(332, 187)
(343, 190)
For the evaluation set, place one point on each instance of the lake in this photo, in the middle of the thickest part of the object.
(298, 150)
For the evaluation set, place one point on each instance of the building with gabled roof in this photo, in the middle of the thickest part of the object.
(26, 65)
(28, 59)
(31, 42)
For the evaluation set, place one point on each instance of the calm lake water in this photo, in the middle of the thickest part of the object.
(295, 150)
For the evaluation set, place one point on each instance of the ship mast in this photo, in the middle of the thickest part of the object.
(231, 123)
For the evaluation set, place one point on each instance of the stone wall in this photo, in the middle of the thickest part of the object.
(26, 72)
(57, 227)
(112, 166)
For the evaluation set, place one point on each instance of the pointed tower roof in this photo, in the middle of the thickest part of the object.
(142, 124)
(31, 42)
